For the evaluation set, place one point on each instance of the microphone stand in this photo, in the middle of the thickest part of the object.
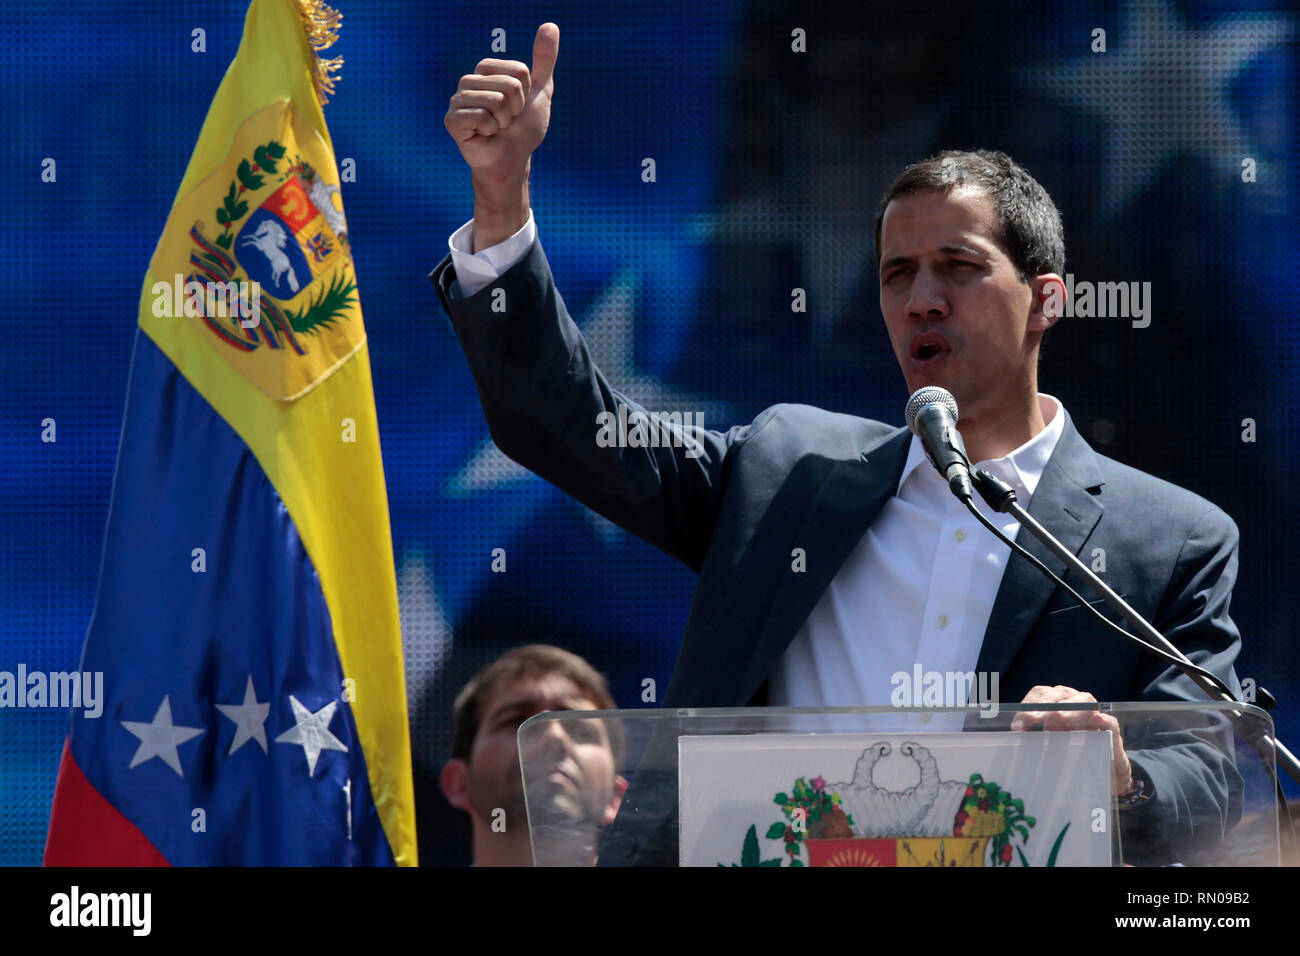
(1002, 498)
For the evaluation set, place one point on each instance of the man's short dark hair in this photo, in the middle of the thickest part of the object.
(1029, 224)
(530, 660)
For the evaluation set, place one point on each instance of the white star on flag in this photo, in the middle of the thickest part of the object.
(1163, 91)
(249, 717)
(160, 738)
(311, 732)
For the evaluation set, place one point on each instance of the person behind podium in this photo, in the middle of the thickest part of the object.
(574, 787)
(891, 570)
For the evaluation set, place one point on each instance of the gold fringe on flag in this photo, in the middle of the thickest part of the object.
(320, 22)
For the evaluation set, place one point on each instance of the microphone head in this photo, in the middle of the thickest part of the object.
(930, 395)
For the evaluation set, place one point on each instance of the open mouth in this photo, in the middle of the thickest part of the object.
(928, 346)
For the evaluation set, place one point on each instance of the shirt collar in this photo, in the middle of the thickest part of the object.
(1021, 469)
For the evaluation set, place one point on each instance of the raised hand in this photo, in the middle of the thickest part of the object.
(499, 113)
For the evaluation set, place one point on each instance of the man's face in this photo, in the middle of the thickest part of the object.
(957, 312)
(570, 761)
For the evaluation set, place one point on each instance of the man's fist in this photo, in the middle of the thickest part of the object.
(499, 113)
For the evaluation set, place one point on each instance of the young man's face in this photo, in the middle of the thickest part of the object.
(571, 761)
(957, 312)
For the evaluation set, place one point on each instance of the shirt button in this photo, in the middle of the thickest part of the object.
(961, 534)
(943, 620)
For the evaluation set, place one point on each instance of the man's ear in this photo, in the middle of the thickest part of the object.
(455, 784)
(615, 801)
(1048, 303)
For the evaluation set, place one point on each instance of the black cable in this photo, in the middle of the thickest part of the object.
(1284, 806)
(1159, 651)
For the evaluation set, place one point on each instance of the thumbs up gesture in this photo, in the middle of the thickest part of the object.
(499, 113)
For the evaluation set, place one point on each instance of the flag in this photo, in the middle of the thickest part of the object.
(246, 620)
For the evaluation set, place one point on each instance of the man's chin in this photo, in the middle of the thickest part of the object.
(561, 813)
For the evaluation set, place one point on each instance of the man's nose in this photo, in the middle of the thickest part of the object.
(553, 738)
(928, 299)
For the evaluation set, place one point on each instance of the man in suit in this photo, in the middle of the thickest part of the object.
(831, 556)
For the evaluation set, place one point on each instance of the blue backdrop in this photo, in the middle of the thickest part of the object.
(769, 165)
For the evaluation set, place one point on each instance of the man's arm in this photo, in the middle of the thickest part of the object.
(545, 400)
(547, 405)
(1189, 763)
(1182, 764)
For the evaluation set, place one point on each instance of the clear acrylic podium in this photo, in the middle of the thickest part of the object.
(901, 787)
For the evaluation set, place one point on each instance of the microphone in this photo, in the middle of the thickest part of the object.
(931, 414)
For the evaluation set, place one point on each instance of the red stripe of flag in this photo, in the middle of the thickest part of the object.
(118, 841)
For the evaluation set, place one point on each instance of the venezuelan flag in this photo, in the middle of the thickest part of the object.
(246, 620)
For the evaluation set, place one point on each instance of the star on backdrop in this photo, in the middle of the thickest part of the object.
(832, 223)
(426, 631)
(609, 329)
(1162, 91)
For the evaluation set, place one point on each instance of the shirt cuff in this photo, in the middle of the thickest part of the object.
(474, 270)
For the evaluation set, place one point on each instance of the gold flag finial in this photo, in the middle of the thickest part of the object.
(320, 22)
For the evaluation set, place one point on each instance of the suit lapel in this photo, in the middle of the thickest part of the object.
(1065, 504)
(848, 500)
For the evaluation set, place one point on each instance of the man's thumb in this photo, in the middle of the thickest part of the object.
(546, 47)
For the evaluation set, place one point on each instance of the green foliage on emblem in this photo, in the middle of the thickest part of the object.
(247, 178)
(265, 156)
(325, 310)
(749, 854)
(231, 211)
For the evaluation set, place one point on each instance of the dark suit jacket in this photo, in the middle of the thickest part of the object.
(802, 477)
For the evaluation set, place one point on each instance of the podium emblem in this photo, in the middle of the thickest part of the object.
(935, 822)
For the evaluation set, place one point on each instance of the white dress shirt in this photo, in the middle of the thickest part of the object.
(917, 589)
